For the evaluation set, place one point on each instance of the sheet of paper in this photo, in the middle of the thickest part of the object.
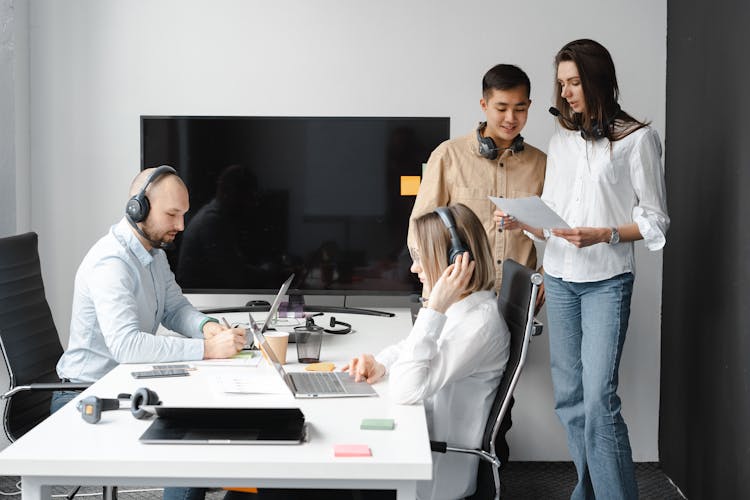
(256, 382)
(243, 359)
(531, 211)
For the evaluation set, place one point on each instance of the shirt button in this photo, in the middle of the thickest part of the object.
(499, 261)
(502, 164)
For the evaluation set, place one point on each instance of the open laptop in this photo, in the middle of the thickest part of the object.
(271, 312)
(204, 425)
(314, 384)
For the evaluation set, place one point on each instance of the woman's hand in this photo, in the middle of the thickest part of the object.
(584, 236)
(452, 284)
(505, 221)
(365, 367)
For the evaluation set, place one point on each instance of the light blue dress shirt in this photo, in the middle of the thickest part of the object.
(122, 293)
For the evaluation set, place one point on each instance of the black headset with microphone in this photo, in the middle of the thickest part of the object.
(458, 247)
(487, 147)
(598, 130)
(310, 326)
(338, 331)
(138, 206)
(91, 408)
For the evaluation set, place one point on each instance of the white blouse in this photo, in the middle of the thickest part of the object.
(590, 184)
(453, 363)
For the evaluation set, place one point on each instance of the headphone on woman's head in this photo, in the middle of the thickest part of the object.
(458, 247)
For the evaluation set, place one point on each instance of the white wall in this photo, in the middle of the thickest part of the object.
(97, 65)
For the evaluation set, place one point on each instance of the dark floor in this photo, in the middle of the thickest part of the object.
(521, 480)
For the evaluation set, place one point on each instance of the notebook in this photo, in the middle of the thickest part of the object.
(183, 425)
(271, 311)
(315, 384)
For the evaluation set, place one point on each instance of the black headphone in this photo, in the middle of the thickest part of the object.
(138, 205)
(458, 247)
(91, 408)
(310, 326)
(598, 130)
(341, 331)
(487, 147)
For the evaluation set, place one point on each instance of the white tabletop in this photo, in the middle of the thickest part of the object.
(66, 450)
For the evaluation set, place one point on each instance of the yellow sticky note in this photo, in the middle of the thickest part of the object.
(409, 185)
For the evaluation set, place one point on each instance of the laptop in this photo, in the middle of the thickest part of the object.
(315, 384)
(184, 425)
(271, 311)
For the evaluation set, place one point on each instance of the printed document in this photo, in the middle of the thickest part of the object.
(531, 211)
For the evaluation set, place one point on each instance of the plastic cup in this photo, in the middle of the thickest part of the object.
(308, 345)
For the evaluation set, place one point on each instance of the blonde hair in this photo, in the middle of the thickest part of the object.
(434, 241)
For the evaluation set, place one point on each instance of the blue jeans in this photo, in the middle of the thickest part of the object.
(587, 326)
(60, 399)
(184, 493)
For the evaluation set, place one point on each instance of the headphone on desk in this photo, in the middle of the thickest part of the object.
(310, 326)
(91, 408)
(487, 147)
(338, 331)
(458, 247)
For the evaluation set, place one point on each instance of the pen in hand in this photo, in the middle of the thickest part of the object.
(226, 323)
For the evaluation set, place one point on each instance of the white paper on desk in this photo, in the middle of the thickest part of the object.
(256, 382)
(531, 211)
(242, 359)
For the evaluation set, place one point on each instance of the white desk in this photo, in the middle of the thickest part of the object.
(65, 450)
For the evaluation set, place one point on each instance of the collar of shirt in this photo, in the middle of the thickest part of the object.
(124, 234)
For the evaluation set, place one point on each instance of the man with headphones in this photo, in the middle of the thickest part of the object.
(491, 160)
(124, 290)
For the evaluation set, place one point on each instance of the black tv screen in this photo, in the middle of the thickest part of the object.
(326, 198)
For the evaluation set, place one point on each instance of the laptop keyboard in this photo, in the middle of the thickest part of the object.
(317, 383)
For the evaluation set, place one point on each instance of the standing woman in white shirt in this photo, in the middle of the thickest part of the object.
(605, 179)
(457, 349)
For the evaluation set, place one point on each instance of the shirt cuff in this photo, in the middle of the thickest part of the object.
(207, 319)
(653, 237)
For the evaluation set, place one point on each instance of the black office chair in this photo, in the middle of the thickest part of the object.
(28, 337)
(516, 302)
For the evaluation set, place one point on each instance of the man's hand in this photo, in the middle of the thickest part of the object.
(365, 367)
(505, 221)
(224, 344)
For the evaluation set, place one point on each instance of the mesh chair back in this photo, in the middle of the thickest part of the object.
(514, 302)
(28, 337)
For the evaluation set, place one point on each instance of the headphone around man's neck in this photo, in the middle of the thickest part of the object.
(487, 147)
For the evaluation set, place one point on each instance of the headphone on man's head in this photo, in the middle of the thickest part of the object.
(91, 408)
(487, 147)
(458, 247)
(138, 206)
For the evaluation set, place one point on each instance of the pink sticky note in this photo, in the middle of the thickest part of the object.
(352, 450)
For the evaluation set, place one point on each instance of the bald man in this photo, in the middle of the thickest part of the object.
(124, 290)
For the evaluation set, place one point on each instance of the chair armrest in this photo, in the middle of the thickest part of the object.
(442, 447)
(53, 386)
(438, 446)
(537, 328)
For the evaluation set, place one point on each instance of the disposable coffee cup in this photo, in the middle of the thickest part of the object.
(278, 341)
(308, 345)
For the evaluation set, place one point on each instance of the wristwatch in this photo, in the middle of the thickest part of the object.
(614, 238)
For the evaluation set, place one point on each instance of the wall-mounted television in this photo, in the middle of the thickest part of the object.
(320, 197)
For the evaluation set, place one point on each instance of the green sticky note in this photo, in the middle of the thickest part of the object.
(378, 424)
